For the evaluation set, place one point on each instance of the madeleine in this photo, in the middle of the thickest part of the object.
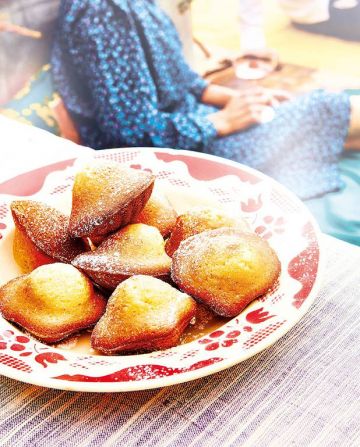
(137, 249)
(143, 314)
(225, 269)
(107, 196)
(52, 302)
(41, 235)
(159, 213)
(198, 220)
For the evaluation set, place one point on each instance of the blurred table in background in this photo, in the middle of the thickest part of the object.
(291, 77)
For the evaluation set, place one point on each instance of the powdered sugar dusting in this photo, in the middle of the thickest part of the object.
(225, 268)
(143, 313)
(103, 189)
(158, 212)
(47, 228)
(135, 249)
(200, 219)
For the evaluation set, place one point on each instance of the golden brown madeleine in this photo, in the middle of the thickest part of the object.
(143, 314)
(159, 213)
(137, 249)
(107, 196)
(41, 235)
(225, 269)
(52, 302)
(198, 220)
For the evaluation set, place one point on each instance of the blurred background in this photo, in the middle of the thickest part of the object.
(219, 28)
(27, 27)
(212, 32)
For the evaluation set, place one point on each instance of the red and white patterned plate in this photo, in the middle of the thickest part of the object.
(188, 178)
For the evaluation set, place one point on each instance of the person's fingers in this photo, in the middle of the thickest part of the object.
(271, 97)
(244, 102)
(261, 99)
(265, 96)
(274, 102)
(249, 120)
(256, 114)
(253, 109)
(258, 111)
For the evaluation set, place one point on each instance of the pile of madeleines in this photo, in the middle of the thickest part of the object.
(125, 264)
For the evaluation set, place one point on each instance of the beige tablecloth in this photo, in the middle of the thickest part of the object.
(303, 391)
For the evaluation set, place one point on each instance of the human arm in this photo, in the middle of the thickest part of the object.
(217, 95)
(118, 90)
(117, 78)
(239, 113)
(243, 108)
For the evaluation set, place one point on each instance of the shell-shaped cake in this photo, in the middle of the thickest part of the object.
(107, 196)
(198, 220)
(41, 235)
(225, 269)
(143, 314)
(159, 213)
(137, 249)
(52, 302)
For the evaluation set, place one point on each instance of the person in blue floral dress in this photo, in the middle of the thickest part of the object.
(119, 67)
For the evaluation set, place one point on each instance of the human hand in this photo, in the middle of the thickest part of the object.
(268, 96)
(246, 108)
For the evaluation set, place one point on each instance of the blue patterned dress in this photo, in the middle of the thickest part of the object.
(119, 67)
